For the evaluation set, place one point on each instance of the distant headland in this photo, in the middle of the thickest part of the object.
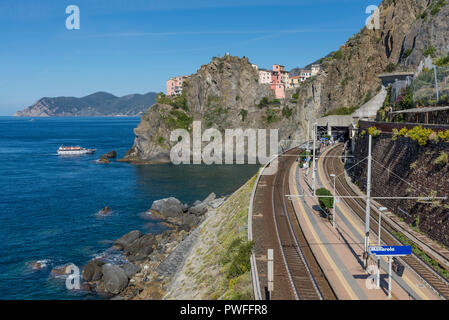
(96, 104)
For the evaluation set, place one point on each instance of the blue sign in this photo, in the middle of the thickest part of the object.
(390, 250)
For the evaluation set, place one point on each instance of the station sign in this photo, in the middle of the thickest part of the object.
(390, 250)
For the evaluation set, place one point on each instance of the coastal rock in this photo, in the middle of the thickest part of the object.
(114, 278)
(197, 202)
(216, 203)
(105, 211)
(127, 239)
(103, 160)
(63, 270)
(168, 207)
(38, 265)
(199, 209)
(110, 155)
(140, 248)
(215, 95)
(190, 219)
(209, 198)
(130, 269)
(93, 270)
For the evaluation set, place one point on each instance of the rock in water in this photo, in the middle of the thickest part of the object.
(114, 278)
(62, 270)
(168, 207)
(106, 210)
(127, 239)
(110, 155)
(105, 158)
(93, 270)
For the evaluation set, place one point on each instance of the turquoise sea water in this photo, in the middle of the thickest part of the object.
(48, 203)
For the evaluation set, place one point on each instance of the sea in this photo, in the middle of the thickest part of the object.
(49, 204)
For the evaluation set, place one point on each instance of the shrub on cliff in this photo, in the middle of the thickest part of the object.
(287, 112)
(243, 113)
(442, 159)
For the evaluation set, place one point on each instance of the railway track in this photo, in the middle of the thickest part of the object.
(334, 164)
(295, 263)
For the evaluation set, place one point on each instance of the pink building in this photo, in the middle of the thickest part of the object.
(277, 78)
(174, 85)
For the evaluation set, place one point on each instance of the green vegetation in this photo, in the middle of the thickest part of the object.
(390, 67)
(423, 15)
(295, 97)
(263, 102)
(374, 132)
(177, 119)
(442, 159)
(342, 111)
(237, 258)
(423, 135)
(179, 102)
(325, 198)
(287, 112)
(382, 112)
(407, 53)
(337, 55)
(430, 51)
(421, 254)
(362, 133)
(161, 141)
(243, 113)
(395, 135)
(303, 155)
(442, 61)
(423, 86)
(437, 7)
(270, 116)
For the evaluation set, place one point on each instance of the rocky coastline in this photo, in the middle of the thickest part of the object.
(149, 260)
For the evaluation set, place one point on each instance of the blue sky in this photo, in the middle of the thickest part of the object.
(133, 46)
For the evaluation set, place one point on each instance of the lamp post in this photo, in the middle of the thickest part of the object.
(378, 243)
(333, 203)
(313, 158)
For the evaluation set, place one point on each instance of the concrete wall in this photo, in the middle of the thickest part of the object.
(411, 172)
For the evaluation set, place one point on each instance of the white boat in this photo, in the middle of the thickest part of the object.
(74, 150)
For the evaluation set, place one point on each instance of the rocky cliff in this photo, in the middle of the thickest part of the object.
(223, 94)
(226, 94)
(96, 104)
(408, 31)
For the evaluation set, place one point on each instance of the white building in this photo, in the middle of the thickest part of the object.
(264, 76)
(315, 69)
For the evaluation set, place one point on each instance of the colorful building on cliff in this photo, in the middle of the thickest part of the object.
(174, 85)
